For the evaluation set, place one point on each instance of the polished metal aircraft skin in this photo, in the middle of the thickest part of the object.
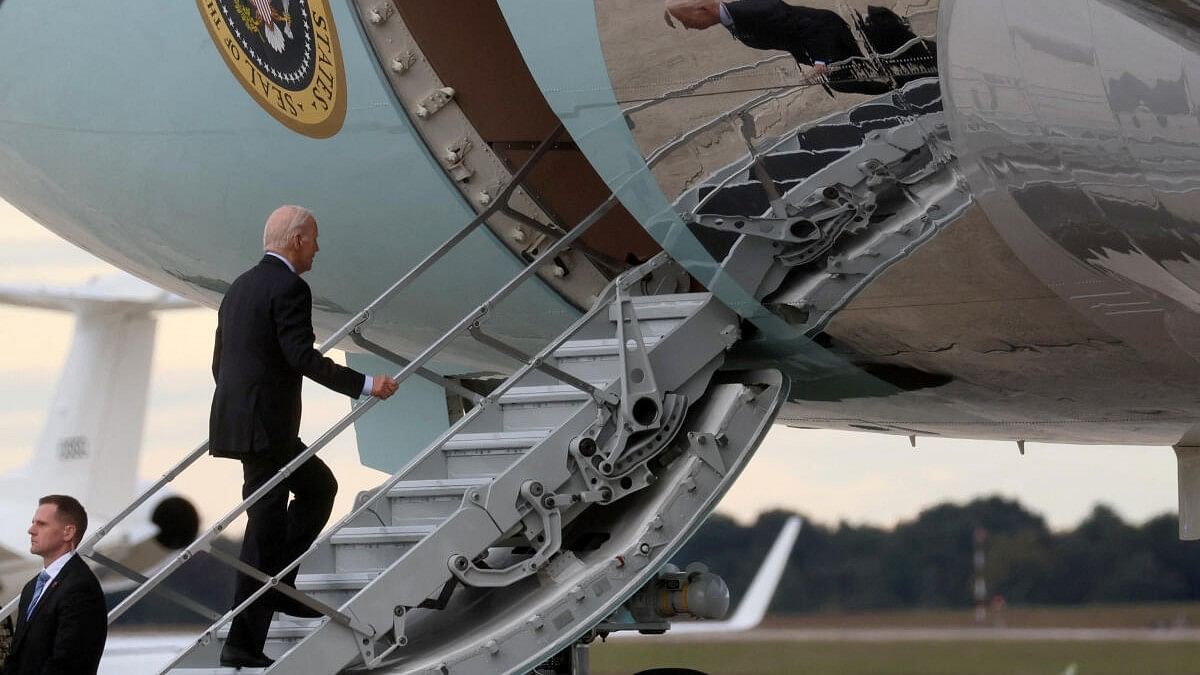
(1024, 266)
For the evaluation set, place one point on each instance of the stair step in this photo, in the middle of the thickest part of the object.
(282, 636)
(658, 307)
(596, 361)
(593, 348)
(374, 548)
(558, 393)
(333, 580)
(517, 440)
(539, 407)
(395, 534)
(420, 489)
(487, 454)
(284, 630)
(217, 670)
(430, 501)
(334, 588)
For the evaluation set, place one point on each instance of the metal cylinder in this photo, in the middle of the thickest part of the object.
(695, 593)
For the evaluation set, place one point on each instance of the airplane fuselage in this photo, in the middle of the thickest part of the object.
(1052, 294)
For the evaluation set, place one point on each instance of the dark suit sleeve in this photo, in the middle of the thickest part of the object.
(81, 631)
(807, 34)
(831, 40)
(292, 312)
(216, 361)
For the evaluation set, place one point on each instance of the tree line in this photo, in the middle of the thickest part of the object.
(928, 562)
(923, 563)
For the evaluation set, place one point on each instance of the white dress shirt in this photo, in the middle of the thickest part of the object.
(50, 571)
(55, 567)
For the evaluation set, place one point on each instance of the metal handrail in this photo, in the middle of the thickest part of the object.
(384, 353)
(707, 79)
(601, 304)
(783, 138)
(911, 42)
(656, 155)
(364, 315)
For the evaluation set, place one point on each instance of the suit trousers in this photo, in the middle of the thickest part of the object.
(276, 534)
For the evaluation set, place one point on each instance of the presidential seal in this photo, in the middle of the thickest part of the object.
(285, 54)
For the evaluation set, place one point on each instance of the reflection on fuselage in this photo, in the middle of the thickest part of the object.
(700, 100)
(1083, 122)
(761, 122)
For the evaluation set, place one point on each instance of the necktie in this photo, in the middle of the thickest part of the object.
(37, 592)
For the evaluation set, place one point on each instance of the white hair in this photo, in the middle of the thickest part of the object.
(284, 223)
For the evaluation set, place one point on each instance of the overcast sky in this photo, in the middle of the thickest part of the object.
(830, 476)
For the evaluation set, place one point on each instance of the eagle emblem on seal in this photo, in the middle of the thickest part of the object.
(275, 25)
(285, 54)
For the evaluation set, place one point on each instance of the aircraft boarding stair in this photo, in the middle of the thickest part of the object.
(524, 527)
(543, 509)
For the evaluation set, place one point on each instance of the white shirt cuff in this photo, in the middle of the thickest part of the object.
(368, 385)
(726, 17)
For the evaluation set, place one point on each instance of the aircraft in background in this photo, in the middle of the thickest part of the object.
(606, 256)
(91, 441)
(752, 608)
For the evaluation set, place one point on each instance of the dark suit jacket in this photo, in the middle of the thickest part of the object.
(264, 346)
(805, 33)
(66, 633)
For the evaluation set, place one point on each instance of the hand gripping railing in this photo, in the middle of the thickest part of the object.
(87, 547)
(601, 304)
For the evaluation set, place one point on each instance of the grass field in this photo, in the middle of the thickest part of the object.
(930, 657)
(901, 658)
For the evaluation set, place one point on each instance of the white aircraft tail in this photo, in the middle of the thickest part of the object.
(92, 437)
(753, 607)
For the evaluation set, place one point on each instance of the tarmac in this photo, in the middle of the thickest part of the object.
(945, 635)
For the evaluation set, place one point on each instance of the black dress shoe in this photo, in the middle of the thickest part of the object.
(236, 657)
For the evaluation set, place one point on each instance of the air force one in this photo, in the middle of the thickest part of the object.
(606, 255)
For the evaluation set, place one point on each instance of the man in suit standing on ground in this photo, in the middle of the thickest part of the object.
(62, 621)
(264, 347)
